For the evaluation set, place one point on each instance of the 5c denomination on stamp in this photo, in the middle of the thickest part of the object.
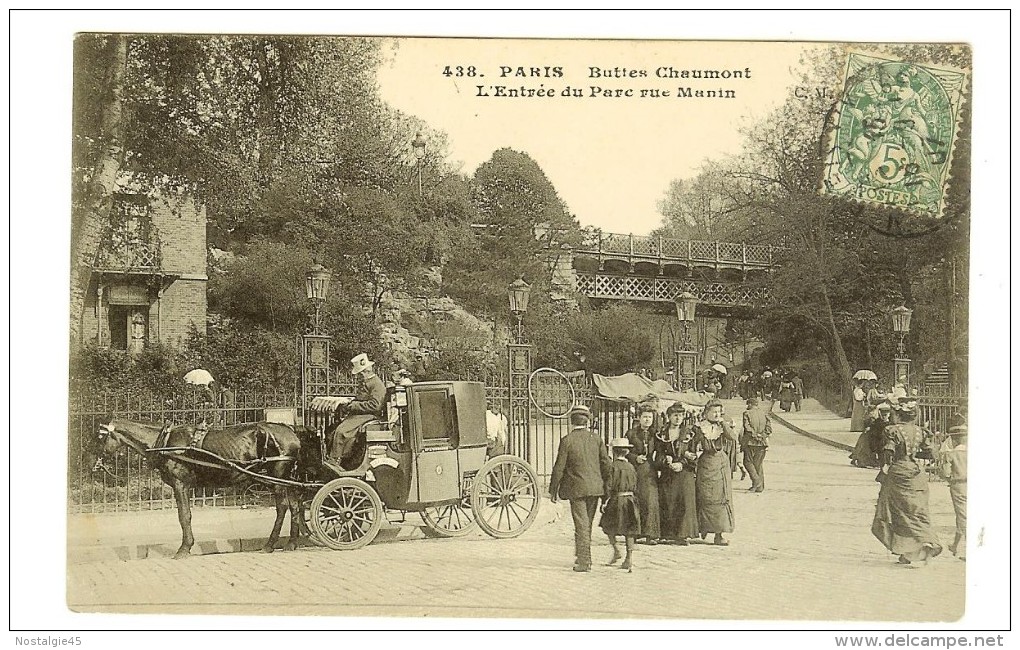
(895, 128)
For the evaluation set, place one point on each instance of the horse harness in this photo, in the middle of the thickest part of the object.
(265, 443)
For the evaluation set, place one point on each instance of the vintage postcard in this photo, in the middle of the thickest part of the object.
(656, 330)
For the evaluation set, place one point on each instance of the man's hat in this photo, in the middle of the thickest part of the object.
(904, 404)
(580, 408)
(884, 405)
(620, 443)
(958, 430)
(360, 364)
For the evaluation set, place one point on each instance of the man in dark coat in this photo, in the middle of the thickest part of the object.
(755, 442)
(366, 406)
(582, 466)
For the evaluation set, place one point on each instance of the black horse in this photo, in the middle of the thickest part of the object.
(267, 448)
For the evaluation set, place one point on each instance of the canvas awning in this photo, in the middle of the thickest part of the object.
(632, 387)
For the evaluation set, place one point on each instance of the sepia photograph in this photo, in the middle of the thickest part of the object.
(387, 327)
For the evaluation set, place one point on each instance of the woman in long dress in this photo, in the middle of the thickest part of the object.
(859, 408)
(641, 438)
(676, 458)
(902, 522)
(715, 437)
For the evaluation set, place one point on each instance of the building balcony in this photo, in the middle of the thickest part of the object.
(129, 257)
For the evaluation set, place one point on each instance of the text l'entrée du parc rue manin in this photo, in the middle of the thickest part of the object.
(544, 82)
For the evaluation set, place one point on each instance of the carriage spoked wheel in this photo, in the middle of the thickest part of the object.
(306, 525)
(346, 514)
(504, 497)
(451, 520)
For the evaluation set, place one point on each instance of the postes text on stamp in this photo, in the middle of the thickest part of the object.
(895, 128)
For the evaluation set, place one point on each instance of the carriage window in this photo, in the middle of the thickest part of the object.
(436, 415)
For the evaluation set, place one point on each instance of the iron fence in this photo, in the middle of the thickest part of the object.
(128, 482)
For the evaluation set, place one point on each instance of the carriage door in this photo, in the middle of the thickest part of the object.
(436, 438)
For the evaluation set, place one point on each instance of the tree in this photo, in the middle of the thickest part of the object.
(520, 215)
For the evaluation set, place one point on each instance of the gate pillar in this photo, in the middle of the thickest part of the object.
(519, 369)
(315, 375)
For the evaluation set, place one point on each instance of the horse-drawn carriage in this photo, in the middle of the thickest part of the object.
(426, 456)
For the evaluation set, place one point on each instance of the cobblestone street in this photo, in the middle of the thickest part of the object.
(801, 550)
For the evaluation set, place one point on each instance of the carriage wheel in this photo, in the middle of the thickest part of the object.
(453, 520)
(306, 525)
(346, 514)
(504, 497)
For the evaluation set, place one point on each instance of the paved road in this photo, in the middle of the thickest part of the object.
(801, 550)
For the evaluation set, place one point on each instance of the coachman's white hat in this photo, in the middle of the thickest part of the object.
(360, 364)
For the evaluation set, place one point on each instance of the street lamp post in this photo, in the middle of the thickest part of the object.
(315, 353)
(685, 374)
(518, 371)
(901, 326)
(317, 289)
(418, 144)
(518, 292)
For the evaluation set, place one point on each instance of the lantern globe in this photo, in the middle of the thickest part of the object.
(686, 305)
(418, 144)
(518, 293)
(317, 282)
(901, 319)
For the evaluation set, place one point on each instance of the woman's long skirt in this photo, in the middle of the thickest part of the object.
(714, 493)
(678, 505)
(863, 455)
(648, 501)
(902, 522)
(857, 416)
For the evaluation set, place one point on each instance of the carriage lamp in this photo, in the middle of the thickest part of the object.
(685, 370)
(317, 288)
(418, 145)
(901, 325)
(518, 292)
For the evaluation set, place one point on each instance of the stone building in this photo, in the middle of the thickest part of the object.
(149, 276)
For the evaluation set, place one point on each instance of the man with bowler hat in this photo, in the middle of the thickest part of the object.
(582, 466)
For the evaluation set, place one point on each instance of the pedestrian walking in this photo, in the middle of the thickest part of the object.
(755, 442)
(579, 475)
(786, 394)
(620, 514)
(798, 390)
(954, 470)
(869, 443)
(858, 408)
(715, 437)
(641, 438)
(902, 521)
(675, 457)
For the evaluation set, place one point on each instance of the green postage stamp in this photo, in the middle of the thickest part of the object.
(895, 128)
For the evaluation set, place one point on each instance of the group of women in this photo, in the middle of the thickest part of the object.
(684, 474)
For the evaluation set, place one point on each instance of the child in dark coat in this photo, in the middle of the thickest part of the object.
(620, 515)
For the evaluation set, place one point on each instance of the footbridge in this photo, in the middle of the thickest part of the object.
(728, 278)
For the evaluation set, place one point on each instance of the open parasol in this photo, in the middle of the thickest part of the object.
(865, 375)
(720, 368)
(199, 377)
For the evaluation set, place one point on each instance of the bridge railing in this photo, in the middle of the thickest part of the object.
(665, 249)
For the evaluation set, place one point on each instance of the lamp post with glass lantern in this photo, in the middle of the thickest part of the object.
(901, 326)
(518, 371)
(686, 357)
(418, 145)
(315, 375)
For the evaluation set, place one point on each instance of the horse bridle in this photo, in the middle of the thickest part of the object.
(105, 431)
